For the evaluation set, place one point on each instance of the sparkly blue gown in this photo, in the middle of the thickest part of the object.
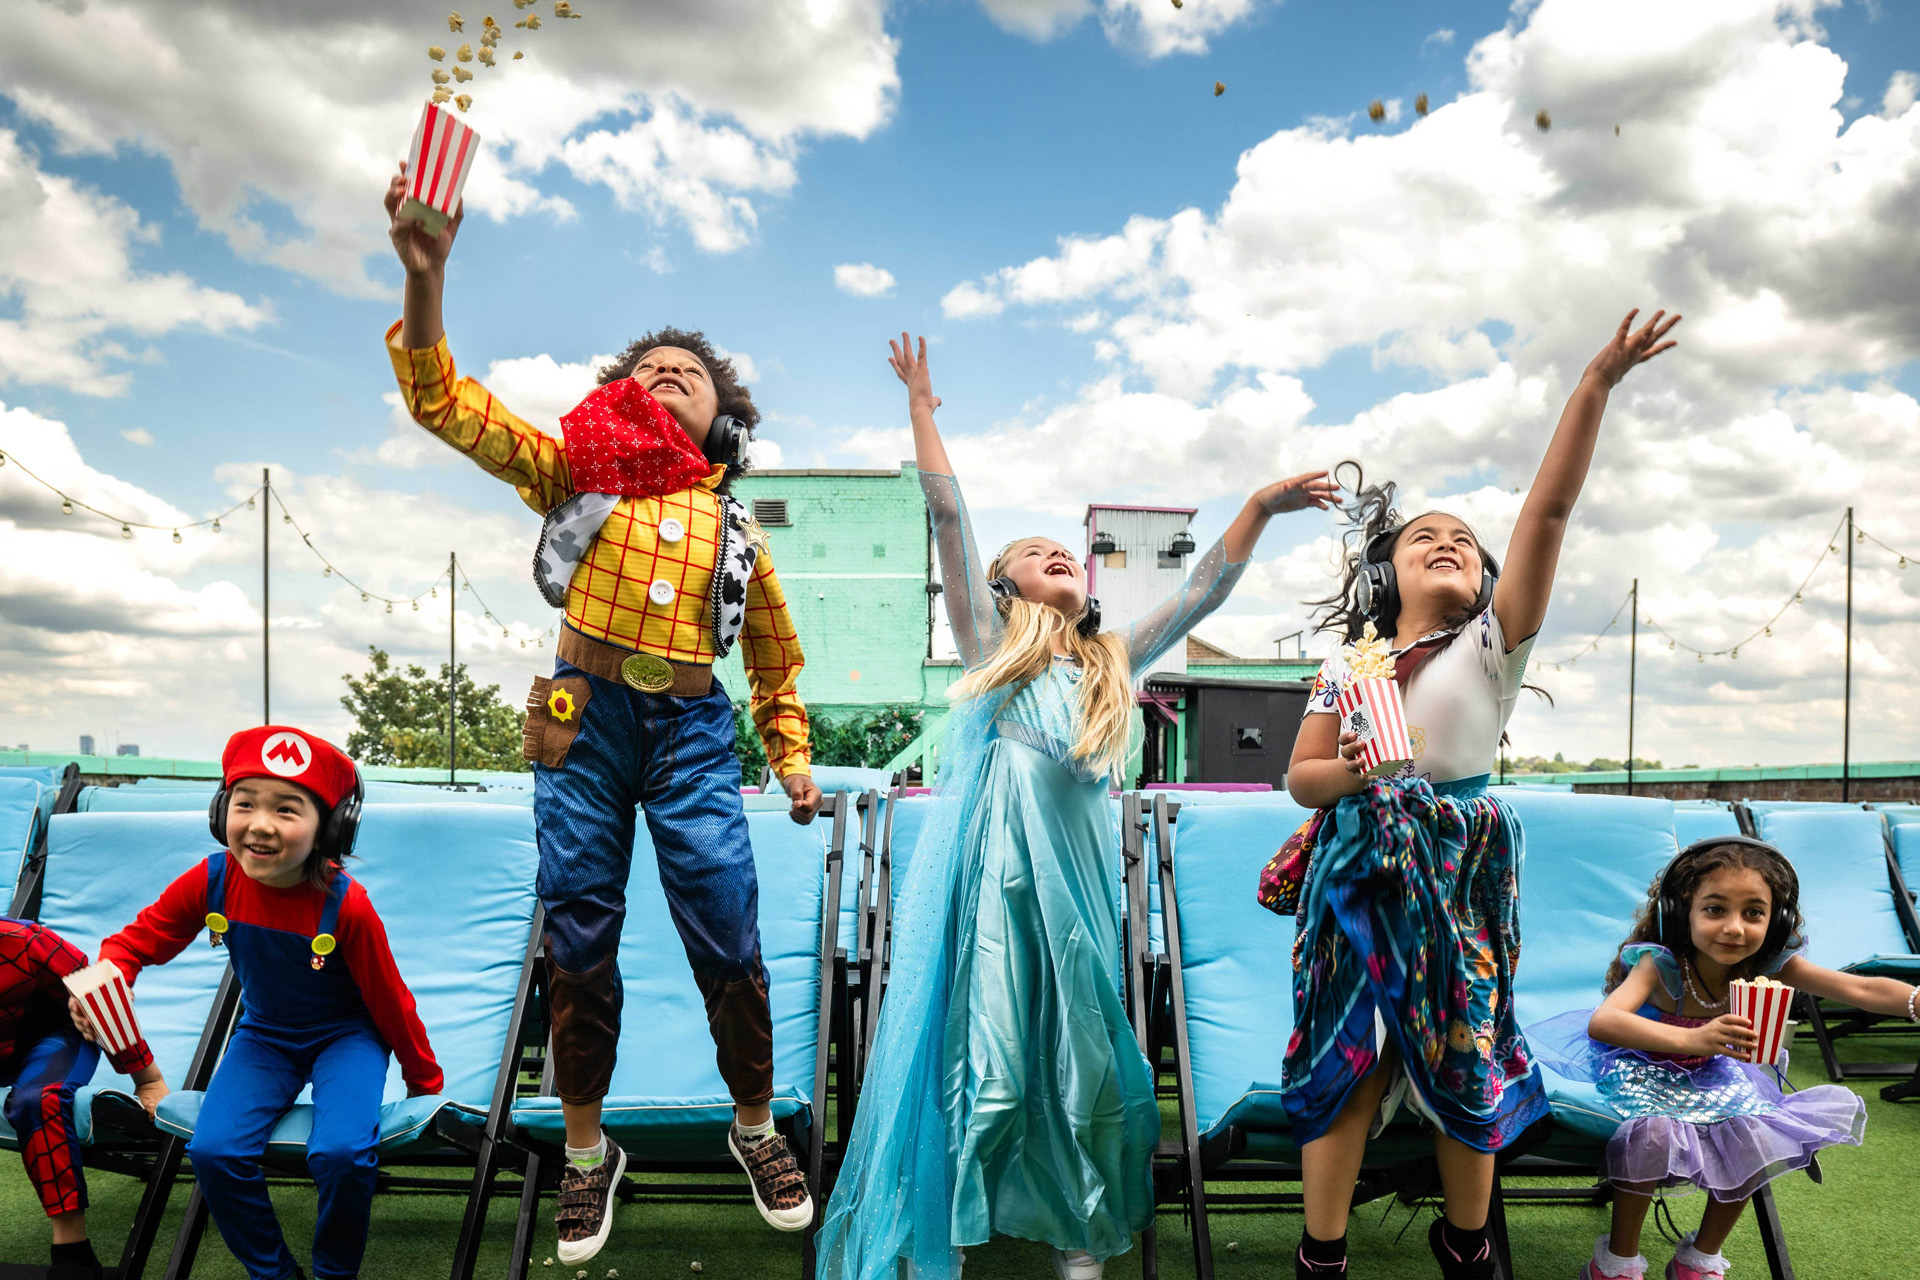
(1007, 1094)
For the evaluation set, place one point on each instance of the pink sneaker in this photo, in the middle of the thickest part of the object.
(1678, 1270)
(1635, 1267)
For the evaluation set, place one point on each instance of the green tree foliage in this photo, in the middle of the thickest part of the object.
(1560, 764)
(400, 718)
(864, 739)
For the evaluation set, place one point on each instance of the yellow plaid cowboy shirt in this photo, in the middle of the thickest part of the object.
(609, 598)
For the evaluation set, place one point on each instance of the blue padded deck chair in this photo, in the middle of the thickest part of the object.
(58, 793)
(455, 885)
(1903, 828)
(900, 829)
(1860, 917)
(1231, 1020)
(1590, 862)
(99, 871)
(21, 827)
(670, 1110)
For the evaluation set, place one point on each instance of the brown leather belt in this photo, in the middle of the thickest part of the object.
(647, 672)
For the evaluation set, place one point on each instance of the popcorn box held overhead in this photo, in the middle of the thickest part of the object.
(1767, 1003)
(103, 991)
(1370, 709)
(437, 165)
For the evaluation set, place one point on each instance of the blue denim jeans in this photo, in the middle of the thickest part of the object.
(672, 758)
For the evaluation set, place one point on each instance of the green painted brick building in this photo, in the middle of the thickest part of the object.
(854, 553)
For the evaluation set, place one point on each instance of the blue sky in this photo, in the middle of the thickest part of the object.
(994, 147)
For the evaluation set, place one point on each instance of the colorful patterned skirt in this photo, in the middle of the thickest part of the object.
(1409, 926)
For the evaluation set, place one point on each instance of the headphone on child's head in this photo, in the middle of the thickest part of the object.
(1004, 588)
(726, 441)
(337, 831)
(1670, 914)
(1379, 586)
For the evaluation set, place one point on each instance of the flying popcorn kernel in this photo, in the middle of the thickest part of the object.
(435, 52)
(1370, 657)
(518, 56)
(462, 74)
(464, 53)
(1542, 121)
(1219, 87)
(531, 22)
(442, 96)
(456, 23)
(1420, 105)
(440, 77)
(464, 101)
(562, 9)
(486, 57)
(1376, 111)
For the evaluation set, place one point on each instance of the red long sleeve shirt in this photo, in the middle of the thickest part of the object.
(164, 929)
(33, 960)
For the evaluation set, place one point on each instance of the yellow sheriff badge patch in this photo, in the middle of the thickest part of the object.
(560, 703)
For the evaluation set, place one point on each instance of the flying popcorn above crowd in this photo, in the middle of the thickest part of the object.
(491, 33)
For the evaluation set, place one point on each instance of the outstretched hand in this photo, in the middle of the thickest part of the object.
(913, 370)
(1308, 489)
(420, 253)
(1631, 347)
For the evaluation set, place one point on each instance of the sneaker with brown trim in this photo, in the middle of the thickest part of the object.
(779, 1188)
(585, 1217)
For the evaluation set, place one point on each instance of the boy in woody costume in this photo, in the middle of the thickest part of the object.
(659, 571)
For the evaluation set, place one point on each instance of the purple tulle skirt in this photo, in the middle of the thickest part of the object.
(1726, 1127)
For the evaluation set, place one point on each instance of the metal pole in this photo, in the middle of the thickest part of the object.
(266, 598)
(1633, 663)
(1846, 721)
(453, 612)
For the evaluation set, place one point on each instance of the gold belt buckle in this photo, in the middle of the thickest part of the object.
(649, 673)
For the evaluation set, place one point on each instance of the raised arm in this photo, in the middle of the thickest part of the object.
(963, 574)
(1214, 575)
(1526, 581)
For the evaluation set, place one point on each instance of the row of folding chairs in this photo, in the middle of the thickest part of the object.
(453, 877)
(1202, 957)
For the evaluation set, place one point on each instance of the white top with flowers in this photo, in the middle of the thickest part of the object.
(1458, 701)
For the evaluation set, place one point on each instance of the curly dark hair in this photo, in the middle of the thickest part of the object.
(733, 396)
(1781, 880)
(1370, 513)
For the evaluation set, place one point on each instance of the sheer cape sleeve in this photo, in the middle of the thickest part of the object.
(1168, 622)
(963, 574)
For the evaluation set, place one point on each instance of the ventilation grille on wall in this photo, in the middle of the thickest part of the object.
(770, 511)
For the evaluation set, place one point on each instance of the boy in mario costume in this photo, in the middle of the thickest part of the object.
(44, 1058)
(659, 571)
(324, 1002)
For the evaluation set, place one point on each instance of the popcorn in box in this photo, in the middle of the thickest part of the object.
(1370, 706)
(1767, 1003)
(104, 993)
(437, 165)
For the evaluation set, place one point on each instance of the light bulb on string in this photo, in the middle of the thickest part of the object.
(126, 531)
(1860, 539)
(1769, 631)
(433, 593)
(416, 606)
(327, 572)
(1736, 652)
(1700, 657)
(1903, 562)
(363, 597)
(66, 507)
(1797, 598)
(249, 504)
(176, 535)
(286, 517)
(389, 606)
(216, 525)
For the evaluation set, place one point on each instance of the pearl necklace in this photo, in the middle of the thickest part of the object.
(1686, 976)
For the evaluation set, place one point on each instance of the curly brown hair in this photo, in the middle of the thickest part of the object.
(1782, 883)
(733, 396)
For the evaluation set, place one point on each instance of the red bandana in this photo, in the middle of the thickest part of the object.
(619, 440)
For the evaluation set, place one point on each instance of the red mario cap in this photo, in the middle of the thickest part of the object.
(279, 751)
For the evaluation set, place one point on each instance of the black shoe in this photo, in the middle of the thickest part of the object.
(1485, 1265)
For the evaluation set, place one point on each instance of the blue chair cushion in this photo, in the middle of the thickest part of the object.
(1845, 894)
(20, 820)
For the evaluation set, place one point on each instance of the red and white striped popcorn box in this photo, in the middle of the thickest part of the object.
(1370, 709)
(1767, 1003)
(437, 165)
(108, 1000)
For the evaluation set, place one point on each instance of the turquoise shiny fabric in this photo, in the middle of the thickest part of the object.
(1007, 1094)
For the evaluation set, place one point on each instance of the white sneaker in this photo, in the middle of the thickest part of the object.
(1077, 1266)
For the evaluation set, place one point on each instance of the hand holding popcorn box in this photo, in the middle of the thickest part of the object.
(437, 165)
(1767, 1004)
(103, 992)
(1370, 707)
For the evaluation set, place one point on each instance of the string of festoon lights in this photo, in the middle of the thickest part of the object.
(328, 567)
(1829, 549)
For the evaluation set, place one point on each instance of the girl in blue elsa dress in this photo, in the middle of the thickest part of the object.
(1007, 1094)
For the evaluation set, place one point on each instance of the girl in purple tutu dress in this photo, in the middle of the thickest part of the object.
(1658, 1046)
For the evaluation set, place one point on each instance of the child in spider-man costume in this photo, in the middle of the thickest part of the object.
(44, 1058)
(324, 1001)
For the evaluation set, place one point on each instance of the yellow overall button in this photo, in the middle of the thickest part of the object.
(323, 944)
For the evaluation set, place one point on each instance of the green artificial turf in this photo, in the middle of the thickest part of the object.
(1861, 1223)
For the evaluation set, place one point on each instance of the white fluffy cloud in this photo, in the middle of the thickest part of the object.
(1491, 259)
(1153, 27)
(863, 279)
(282, 120)
(72, 287)
(150, 641)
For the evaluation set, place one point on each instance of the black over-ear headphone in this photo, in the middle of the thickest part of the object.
(1671, 915)
(726, 441)
(337, 832)
(1379, 587)
(1089, 624)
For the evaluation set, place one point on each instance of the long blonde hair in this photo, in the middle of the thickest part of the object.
(1025, 651)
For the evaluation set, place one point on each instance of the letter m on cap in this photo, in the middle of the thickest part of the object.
(286, 754)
